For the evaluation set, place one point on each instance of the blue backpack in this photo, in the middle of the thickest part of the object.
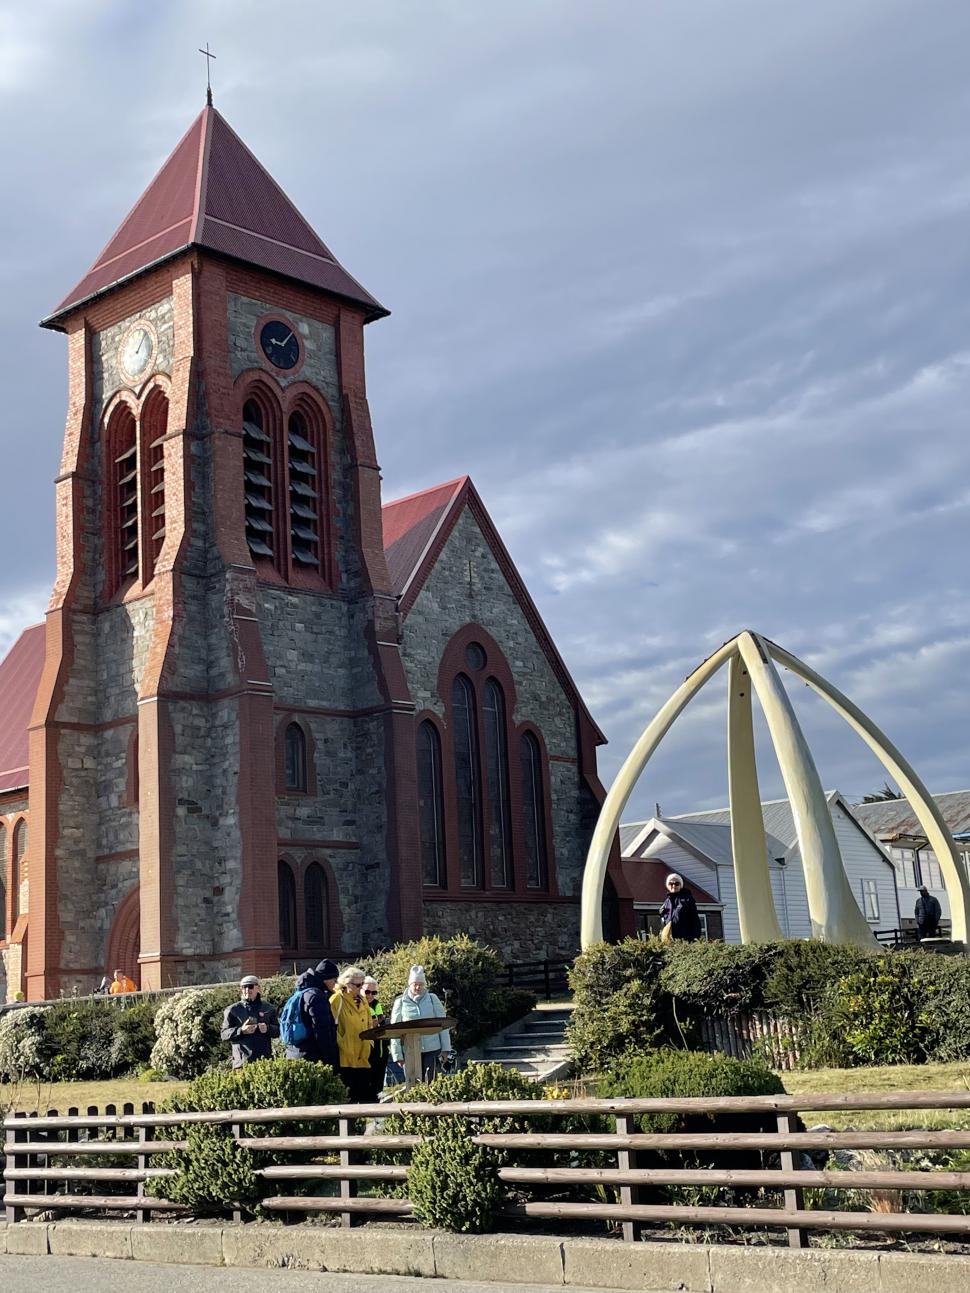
(293, 1028)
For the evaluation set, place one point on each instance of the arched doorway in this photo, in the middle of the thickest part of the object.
(124, 940)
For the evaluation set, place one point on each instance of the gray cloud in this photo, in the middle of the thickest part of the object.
(682, 285)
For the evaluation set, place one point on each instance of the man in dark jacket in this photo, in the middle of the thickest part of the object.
(316, 985)
(680, 911)
(927, 913)
(251, 1024)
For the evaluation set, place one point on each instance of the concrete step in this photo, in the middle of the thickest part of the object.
(512, 1048)
(541, 1034)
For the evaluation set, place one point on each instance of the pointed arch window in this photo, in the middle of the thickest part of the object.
(286, 886)
(258, 482)
(467, 784)
(430, 806)
(305, 503)
(497, 785)
(18, 874)
(154, 428)
(295, 758)
(3, 880)
(121, 499)
(316, 906)
(534, 813)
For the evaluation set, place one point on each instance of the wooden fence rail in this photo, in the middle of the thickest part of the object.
(344, 1150)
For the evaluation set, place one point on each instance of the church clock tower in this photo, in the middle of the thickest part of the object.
(221, 749)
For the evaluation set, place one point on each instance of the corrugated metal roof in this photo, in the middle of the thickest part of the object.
(213, 193)
(890, 818)
(410, 524)
(20, 672)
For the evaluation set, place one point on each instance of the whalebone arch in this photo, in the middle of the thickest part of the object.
(834, 913)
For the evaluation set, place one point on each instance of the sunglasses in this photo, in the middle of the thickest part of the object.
(370, 992)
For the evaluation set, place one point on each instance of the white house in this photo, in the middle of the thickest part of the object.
(893, 824)
(698, 846)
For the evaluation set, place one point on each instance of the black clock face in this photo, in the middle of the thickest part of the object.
(279, 344)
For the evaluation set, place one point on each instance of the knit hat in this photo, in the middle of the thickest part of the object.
(327, 970)
(417, 975)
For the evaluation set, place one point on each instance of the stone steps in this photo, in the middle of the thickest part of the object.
(535, 1046)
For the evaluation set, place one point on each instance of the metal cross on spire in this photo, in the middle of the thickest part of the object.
(208, 78)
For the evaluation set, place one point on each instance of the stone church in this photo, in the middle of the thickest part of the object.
(266, 718)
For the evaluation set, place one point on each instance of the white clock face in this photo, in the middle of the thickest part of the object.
(137, 350)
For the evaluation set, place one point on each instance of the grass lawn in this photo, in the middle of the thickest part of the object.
(900, 1077)
(38, 1098)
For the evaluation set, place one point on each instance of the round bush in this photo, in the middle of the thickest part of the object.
(453, 1183)
(25, 1050)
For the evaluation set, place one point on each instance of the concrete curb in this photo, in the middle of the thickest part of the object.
(541, 1259)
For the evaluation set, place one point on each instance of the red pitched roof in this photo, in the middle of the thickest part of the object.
(644, 880)
(410, 525)
(213, 193)
(20, 672)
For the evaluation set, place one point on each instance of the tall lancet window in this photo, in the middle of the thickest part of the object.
(286, 886)
(467, 784)
(497, 782)
(121, 499)
(306, 503)
(258, 472)
(534, 814)
(430, 807)
(154, 428)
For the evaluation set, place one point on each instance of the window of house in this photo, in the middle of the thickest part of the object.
(907, 866)
(430, 806)
(497, 781)
(870, 899)
(294, 758)
(287, 900)
(533, 812)
(154, 428)
(315, 904)
(930, 868)
(258, 482)
(467, 781)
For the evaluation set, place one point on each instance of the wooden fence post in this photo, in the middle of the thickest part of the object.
(15, 1214)
(794, 1199)
(145, 1136)
(624, 1161)
(348, 1188)
(236, 1131)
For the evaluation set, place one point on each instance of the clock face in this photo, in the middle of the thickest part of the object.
(279, 344)
(137, 350)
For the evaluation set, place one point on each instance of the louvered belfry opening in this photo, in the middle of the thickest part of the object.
(305, 503)
(258, 471)
(122, 499)
(154, 428)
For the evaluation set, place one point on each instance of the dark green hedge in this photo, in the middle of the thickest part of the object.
(860, 1007)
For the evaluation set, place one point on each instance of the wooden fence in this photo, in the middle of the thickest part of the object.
(52, 1161)
(778, 1041)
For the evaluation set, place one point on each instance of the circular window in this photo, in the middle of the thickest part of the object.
(474, 656)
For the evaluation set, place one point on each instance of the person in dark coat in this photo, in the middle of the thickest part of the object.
(680, 911)
(250, 1024)
(928, 913)
(320, 1044)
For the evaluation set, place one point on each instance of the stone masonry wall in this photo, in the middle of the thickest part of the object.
(518, 931)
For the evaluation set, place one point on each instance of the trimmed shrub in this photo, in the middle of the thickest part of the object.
(452, 1182)
(187, 1026)
(672, 1073)
(466, 975)
(801, 975)
(878, 1013)
(213, 1176)
(944, 982)
(620, 1008)
(24, 1046)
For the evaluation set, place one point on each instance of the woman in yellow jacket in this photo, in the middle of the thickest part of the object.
(352, 1016)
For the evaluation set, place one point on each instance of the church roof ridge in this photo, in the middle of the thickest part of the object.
(213, 192)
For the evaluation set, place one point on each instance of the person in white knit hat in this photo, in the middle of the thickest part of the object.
(418, 1003)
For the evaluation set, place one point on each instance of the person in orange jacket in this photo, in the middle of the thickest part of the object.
(121, 983)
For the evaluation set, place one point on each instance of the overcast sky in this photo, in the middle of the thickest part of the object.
(682, 284)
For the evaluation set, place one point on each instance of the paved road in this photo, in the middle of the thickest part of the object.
(96, 1275)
